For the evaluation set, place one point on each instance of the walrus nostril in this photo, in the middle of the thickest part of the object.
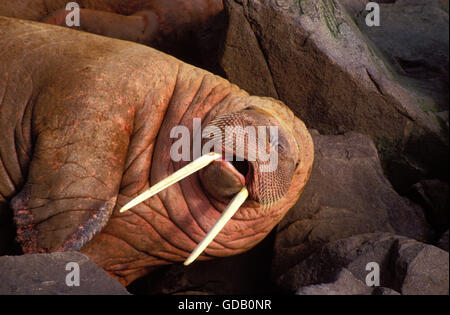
(241, 166)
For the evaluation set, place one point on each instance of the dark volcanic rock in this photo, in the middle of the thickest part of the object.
(384, 291)
(345, 284)
(414, 35)
(46, 274)
(433, 196)
(421, 268)
(347, 194)
(312, 56)
(443, 241)
(406, 266)
(253, 74)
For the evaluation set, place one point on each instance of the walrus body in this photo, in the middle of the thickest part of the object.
(164, 24)
(85, 125)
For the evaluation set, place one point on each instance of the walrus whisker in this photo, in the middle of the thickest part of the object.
(227, 214)
(183, 172)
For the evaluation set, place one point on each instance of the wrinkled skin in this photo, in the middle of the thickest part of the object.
(84, 128)
(163, 24)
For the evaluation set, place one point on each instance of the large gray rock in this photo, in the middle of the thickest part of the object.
(46, 274)
(347, 194)
(414, 35)
(345, 284)
(421, 268)
(406, 266)
(312, 56)
(242, 60)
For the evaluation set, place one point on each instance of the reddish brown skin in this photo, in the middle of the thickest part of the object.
(158, 23)
(85, 127)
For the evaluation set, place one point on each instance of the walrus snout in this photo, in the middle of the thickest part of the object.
(258, 151)
(222, 179)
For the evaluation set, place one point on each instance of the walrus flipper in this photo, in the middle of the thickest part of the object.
(75, 172)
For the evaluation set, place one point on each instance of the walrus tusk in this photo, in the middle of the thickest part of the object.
(183, 172)
(231, 209)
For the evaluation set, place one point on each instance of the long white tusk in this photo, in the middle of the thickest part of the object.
(183, 172)
(231, 209)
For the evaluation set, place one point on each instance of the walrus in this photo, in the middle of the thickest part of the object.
(178, 27)
(85, 128)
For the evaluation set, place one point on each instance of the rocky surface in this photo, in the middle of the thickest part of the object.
(46, 274)
(345, 284)
(244, 274)
(338, 78)
(420, 268)
(414, 35)
(406, 266)
(347, 194)
(312, 56)
(433, 196)
(443, 241)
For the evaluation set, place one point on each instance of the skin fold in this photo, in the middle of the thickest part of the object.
(84, 128)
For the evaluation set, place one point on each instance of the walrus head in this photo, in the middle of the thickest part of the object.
(243, 166)
(235, 179)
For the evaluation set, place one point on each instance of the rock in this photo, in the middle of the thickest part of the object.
(345, 284)
(312, 56)
(352, 253)
(356, 7)
(406, 266)
(414, 35)
(347, 194)
(443, 241)
(46, 274)
(249, 57)
(433, 196)
(384, 291)
(247, 273)
(422, 269)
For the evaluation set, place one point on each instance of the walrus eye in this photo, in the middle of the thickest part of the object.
(274, 142)
(297, 164)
